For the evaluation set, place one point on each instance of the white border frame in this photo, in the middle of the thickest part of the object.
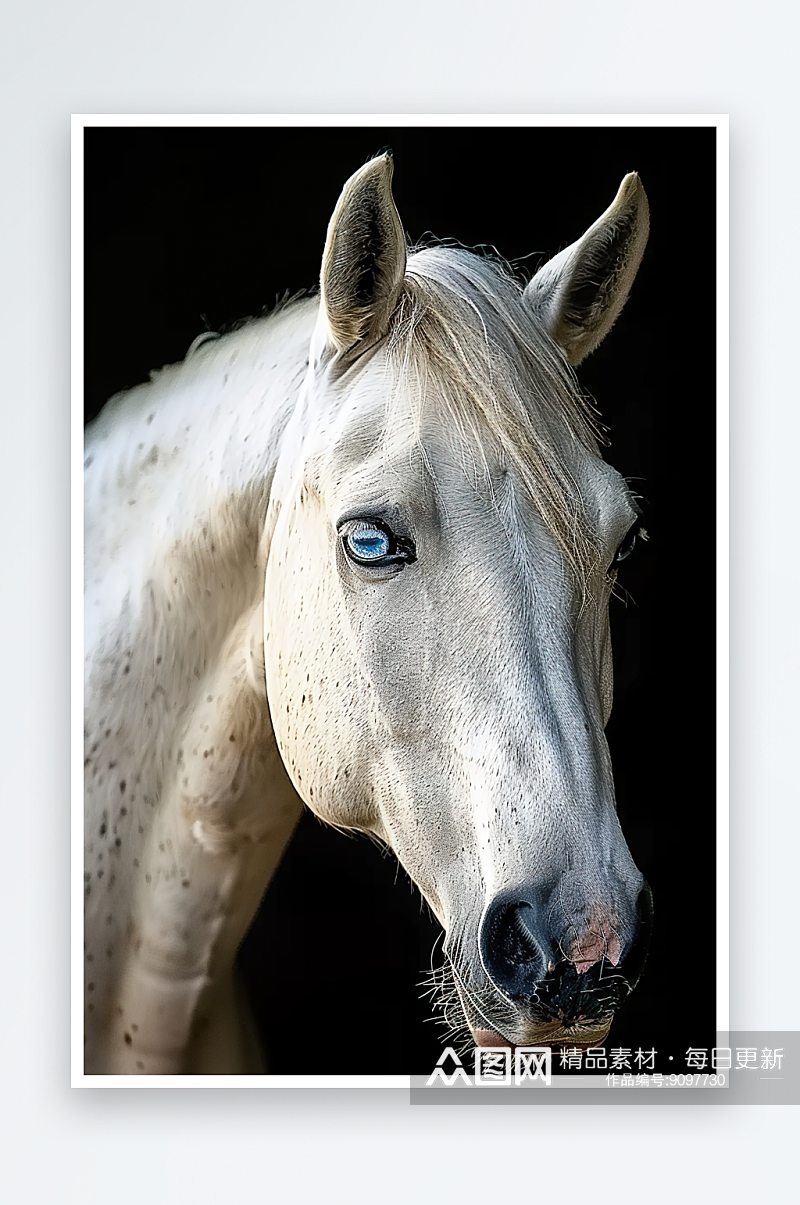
(79, 121)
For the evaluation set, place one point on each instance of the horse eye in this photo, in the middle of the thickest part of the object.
(628, 544)
(367, 543)
(626, 547)
(370, 542)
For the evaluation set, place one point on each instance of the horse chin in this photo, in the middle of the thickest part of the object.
(549, 1033)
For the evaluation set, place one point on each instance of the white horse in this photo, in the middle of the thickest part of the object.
(357, 556)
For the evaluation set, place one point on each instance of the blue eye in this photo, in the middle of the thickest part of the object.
(373, 544)
(368, 543)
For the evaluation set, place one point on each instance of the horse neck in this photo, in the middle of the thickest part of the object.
(177, 486)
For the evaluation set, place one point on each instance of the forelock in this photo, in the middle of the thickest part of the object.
(463, 341)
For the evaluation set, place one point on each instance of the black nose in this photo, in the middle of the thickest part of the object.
(524, 958)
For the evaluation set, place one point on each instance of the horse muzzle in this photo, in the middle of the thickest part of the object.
(562, 990)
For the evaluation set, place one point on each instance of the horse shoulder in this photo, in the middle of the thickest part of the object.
(192, 881)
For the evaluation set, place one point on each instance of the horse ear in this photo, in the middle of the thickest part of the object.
(364, 262)
(579, 294)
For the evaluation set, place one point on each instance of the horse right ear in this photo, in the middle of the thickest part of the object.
(579, 294)
(364, 263)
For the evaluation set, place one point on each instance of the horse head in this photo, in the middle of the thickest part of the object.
(443, 541)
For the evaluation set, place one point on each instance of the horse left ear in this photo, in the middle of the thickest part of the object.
(364, 263)
(579, 294)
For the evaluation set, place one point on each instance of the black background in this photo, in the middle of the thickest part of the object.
(188, 228)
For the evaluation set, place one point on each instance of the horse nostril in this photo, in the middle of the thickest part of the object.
(511, 950)
(637, 955)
